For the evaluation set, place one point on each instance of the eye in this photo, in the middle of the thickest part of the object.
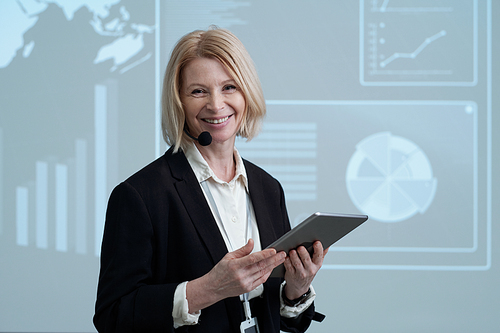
(197, 91)
(230, 88)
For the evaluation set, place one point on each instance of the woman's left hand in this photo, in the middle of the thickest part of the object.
(301, 269)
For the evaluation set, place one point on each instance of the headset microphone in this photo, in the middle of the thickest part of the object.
(204, 138)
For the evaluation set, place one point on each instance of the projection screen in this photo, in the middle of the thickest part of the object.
(376, 107)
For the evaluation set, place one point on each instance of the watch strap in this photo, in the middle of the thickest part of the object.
(295, 302)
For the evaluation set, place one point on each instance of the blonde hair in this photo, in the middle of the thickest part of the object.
(214, 43)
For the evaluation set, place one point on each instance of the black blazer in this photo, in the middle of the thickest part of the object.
(160, 232)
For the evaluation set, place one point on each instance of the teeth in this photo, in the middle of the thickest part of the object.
(216, 121)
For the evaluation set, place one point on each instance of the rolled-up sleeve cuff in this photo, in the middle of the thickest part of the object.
(294, 311)
(180, 312)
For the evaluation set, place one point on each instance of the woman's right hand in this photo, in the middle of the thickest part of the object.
(238, 272)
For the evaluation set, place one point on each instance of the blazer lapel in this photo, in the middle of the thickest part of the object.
(255, 186)
(196, 205)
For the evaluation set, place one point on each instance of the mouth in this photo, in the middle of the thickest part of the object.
(216, 121)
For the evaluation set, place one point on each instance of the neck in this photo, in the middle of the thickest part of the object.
(220, 158)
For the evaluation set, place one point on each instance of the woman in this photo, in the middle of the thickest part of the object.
(182, 247)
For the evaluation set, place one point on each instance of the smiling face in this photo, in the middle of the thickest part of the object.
(212, 100)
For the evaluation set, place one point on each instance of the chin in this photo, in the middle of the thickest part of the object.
(223, 138)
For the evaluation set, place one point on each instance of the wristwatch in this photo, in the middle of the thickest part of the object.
(295, 302)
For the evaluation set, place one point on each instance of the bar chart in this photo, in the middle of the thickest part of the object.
(53, 211)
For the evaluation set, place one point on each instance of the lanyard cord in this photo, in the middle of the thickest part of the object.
(248, 234)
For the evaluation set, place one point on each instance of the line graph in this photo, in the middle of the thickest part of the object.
(415, 53)
(418, 43)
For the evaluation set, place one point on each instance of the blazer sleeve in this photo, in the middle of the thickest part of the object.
(127, 298)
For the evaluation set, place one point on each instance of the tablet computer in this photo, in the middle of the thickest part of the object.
(324, 227)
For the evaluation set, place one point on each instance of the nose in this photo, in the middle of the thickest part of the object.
(216, 102)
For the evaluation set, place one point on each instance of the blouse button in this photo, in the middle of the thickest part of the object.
(234, 219)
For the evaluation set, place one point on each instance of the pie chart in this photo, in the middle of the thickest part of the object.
(389, 178)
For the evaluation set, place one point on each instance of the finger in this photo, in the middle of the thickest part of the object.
(244, 250)
(256, 257)
(325, 251)
(288, 265)
(295, 260)
(304, 255)
(261, 279)
(261, 270)
(268, 263)
(259, 263)
(318, 253)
